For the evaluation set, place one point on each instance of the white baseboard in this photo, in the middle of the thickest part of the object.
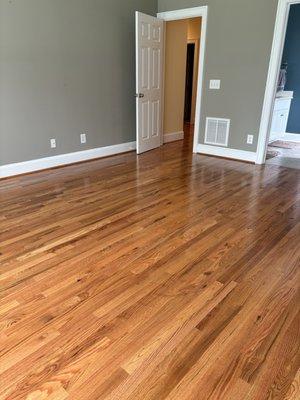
(172, 137)
(226, 152)
(63, 159)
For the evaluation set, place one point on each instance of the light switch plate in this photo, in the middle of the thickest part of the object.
(215, 84)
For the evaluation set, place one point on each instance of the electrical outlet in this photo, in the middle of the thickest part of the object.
(82, 138)
(215, 84)
(250, 139)
(53, 143)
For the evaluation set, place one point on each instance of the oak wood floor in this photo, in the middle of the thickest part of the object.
(164, 276)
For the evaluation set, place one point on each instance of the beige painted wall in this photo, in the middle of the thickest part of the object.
(175, 69)
(194, 26)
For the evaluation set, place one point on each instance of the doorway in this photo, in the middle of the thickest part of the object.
(279, 97)
(196, 22)
(284, 139)
(152, 78)
(182, 43)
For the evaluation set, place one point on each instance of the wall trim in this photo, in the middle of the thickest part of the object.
(192, 13)
(226, 152)
(172, 137)
(64, 159)
(272, 79)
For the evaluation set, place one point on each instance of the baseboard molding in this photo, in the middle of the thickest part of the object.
(172, 137)
(64, 159)
(235, 154)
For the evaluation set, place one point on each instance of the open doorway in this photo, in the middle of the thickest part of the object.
(151, 95)
(284, 139)
(280, 95)
(182, 46)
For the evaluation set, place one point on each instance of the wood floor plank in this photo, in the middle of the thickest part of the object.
(163, 276)
(294, 390)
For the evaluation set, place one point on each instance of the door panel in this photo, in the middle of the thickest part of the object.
(155, 118)
(149, 80)
(145, 120)
(156, 69)
(145, 68)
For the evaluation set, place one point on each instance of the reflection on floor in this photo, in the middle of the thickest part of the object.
(189, 131)
(285, 152)
(163, 276)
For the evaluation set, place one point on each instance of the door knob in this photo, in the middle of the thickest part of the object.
(140, 95)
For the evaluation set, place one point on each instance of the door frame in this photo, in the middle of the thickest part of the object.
(272, 79)
(187, 13)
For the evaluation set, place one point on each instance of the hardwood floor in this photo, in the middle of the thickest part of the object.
(165, 276)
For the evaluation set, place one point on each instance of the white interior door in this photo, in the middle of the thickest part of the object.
(149, 80)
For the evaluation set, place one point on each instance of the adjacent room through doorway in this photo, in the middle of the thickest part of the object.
(284, 139)
(182, 46)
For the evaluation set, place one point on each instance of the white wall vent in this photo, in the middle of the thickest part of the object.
(217, 131)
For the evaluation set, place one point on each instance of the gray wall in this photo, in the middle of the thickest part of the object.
(239, 41)
(66, 67)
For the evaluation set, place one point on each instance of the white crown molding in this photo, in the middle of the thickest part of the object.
(64, 159)
(172, 137)
(227, 153)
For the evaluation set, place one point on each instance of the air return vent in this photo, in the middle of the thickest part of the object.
(217, 131)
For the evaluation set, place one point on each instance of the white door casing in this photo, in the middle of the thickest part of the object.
(272, 79)
(149, 81)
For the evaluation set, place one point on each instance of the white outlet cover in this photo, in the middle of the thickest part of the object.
(82, 138)
(53, 143)
(250, 139)
(215, 84)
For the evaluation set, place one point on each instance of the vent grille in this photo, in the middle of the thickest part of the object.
(217, 131)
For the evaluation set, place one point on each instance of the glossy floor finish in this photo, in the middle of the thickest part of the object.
(164, 276)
